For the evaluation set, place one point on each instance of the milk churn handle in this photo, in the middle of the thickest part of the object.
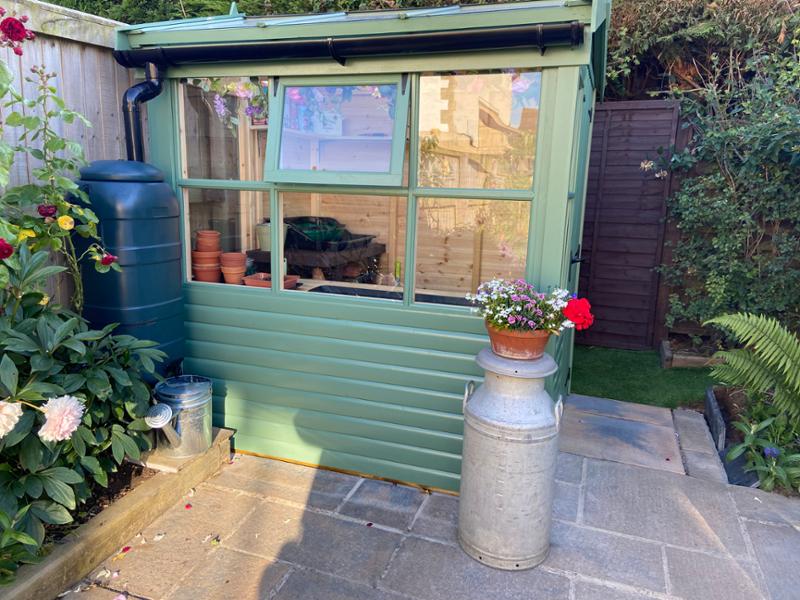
(469, 388)
(559, 410)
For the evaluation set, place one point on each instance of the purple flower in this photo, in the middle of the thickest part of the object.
(252, 110)
(514, 298)
(512, 319)
(219, 105)
(772, 452)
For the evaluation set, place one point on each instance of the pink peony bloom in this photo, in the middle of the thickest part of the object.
(63, 415)
(10, 412)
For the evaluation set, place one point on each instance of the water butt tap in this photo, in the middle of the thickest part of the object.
(159, 416)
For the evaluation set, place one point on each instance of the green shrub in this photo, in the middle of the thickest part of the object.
(767, 369)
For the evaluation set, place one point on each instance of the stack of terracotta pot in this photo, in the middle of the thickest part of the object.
(206, 256)
(234, 265)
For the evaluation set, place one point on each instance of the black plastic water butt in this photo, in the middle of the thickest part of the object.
(140, 223)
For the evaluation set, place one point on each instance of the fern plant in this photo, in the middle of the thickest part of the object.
(768, 363)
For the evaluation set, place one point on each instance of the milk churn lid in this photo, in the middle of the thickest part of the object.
(186, 391)
(121, 170)
(524, 369)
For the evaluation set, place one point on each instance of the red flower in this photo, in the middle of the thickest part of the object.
(47, 210)
(13, 29)
(108, 259)
(578, 310)
(6, 249)
(18, 50)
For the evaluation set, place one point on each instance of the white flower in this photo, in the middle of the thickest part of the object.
(10, 412)
(63, 415)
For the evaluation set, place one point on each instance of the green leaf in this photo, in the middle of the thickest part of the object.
(40, 362)
(31, 453)
(63, 474)
(131, 449)
(21, 429)
(59, 491)
(51, 512)
(9, 375)
(77, 443)
(33, 486)
(21, 537)
(117, 449)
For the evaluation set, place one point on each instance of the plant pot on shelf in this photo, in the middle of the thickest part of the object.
(233, 275)
(233, 259)
(206, 273)
(518, 345)
(265, 280)
(205, 258)
(207, 240)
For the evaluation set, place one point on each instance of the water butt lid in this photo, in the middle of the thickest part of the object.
(184, 392)
(121, 170)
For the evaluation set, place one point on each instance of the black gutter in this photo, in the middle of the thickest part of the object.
(131, 113)
(539, 36)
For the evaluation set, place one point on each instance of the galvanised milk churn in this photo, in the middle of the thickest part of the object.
(509, 460)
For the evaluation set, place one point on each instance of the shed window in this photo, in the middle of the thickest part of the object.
(478, 130)
(337, 133)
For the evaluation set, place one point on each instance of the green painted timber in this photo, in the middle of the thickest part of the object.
(363, 384)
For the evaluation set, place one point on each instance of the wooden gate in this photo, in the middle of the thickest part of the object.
(623, 233)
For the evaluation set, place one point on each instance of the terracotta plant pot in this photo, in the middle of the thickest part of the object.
(208, 233)
(207, 245)
(265, 280)
(209, 274)
(233, 274)
(519, 345)
(205, 258)
(233, 259)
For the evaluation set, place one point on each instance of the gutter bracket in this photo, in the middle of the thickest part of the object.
(334, 54)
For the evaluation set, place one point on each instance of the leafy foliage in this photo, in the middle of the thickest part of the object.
(738, 209)
(768, 364)
(47, 351)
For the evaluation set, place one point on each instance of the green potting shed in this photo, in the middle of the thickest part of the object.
(408, 155)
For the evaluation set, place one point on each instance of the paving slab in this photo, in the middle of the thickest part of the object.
(311, 585)
(229, 574)
(569, 467)
(591, 591)
(382, 502)
(310, 539)
(704, 466)
(606, 556)
(565, 501)
(616, 409)
(759, 505)
(776, 548)
(693, 432)
(696, 576)
(660, 506)
(620, 440)
(92, 593)
(438, 518)
(433, 571)
(178, 541)
(276, 479)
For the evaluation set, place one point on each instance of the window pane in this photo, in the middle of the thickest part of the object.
(478, 131)
(461, 243)
(237, 217)
(225, 128)
(338, 128)
(346, 244)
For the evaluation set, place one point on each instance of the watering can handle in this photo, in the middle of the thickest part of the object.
(558, 411)
(469, 388)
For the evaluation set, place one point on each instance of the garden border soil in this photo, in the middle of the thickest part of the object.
(80, 551)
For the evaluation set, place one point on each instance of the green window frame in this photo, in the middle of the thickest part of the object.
(394, 177)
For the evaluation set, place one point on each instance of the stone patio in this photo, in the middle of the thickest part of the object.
(622, 530)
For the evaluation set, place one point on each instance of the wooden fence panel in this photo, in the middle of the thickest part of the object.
(624, 223)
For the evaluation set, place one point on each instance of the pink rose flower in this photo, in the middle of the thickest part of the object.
(63, 415)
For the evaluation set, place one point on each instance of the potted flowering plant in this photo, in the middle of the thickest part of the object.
(520, 320)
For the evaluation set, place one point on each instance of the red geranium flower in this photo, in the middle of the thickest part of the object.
(6, 249)
(578, 310)
(47, 210)
(13, 29)
(108, 259)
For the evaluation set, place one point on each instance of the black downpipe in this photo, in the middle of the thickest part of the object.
(538, 36)
(131, 113)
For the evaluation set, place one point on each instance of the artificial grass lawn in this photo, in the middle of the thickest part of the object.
(636, 376)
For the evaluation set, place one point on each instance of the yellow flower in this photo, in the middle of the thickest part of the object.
(45, 299)
(26, 233)
(66, 222)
